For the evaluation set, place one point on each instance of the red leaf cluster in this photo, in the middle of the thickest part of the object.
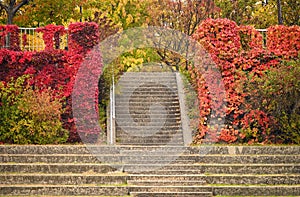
(12, 31)
(52, 33)
(238, 52)
(57, 69)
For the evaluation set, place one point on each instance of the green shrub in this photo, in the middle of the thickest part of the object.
(277, 93)
(29, 116)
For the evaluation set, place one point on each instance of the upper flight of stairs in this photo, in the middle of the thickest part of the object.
(148, 109)
(113, 171)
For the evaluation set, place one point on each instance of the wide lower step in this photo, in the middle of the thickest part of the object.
(91, 190)
(171, 194)
(246, 159)
(198, 159)
(149, 180)
(256, 190)
(159, 180)
(195, 150)
(63, 179)
(192, 169)
(63, 190)
(226, 190)
(160, 169)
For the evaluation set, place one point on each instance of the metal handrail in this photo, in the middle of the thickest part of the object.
(112, 114)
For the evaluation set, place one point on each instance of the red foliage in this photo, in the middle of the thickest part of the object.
(55, 68)
(250, 38)
(52, 33)
(237, 52)
(14, 40)
(83, 37)
(284, 41)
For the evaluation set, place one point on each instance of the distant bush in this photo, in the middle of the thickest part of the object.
(277, 93)
(29, 116)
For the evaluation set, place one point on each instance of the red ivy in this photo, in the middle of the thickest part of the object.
(12, 31)
(54, 68)
(284, 41)
(51, 35)
(237, 51)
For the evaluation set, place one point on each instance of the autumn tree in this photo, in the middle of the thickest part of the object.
(261, 14)
(181, 15)
(44, 12)
(239, 11)
(11, 7)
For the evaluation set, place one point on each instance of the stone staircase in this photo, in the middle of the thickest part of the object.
(150, 158)
(148, 109)
(79, 170)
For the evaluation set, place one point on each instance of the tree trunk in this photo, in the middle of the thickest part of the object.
(279, 10)
(10, 17)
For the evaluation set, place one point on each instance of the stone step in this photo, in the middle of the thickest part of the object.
(153, 120)
(246, 150)
(171, 194)
(148, 101)
(150, 135)
(63, 196)
(227, 190)
(53, 168)
(152, 144)
(62, 179)
(146, 94)
(146, 87)
(165, 183)
(196, 150)
(156, 122)
(51, 158)
(217, 168)
(149, 141)
(246, 159)
(200, 159)
(63, 190)
(151, 129)
(169, 189)
(148, 113)
(157, 180)
(137, 86)
(148, 75)
(256, 190)
(153, 115)
(168, 169)
(147, 78)
(151, 107)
